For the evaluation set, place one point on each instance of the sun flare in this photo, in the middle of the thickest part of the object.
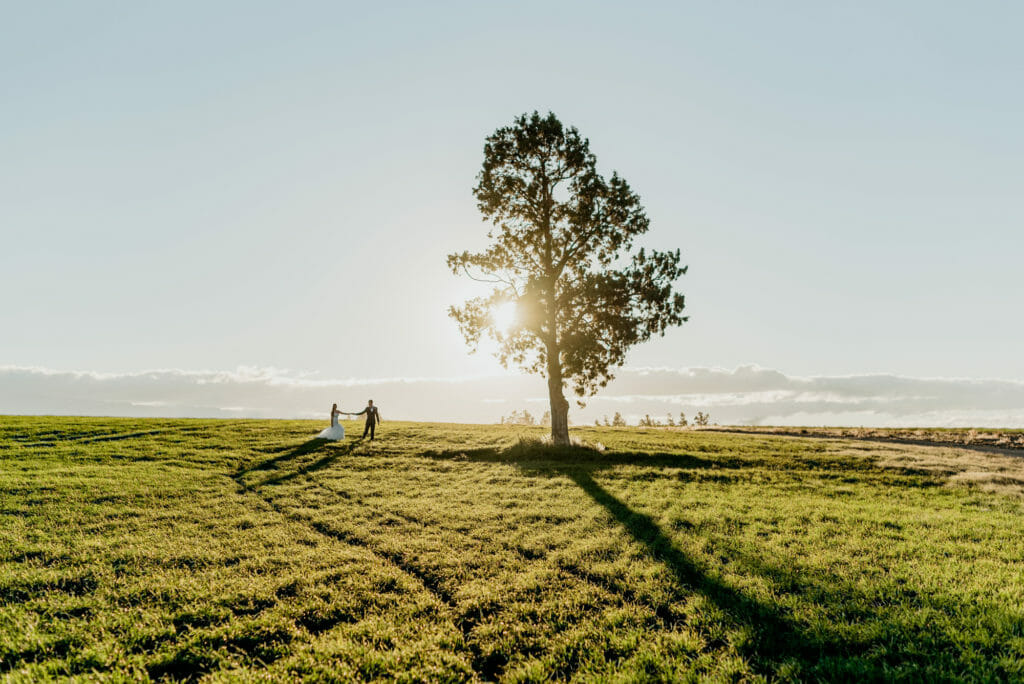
(504, 316)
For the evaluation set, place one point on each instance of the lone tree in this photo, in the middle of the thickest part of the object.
(570, 296)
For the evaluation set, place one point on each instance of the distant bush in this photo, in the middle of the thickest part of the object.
(523, 417)
(702, 419)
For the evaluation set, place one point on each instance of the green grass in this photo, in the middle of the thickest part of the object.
(134, 549)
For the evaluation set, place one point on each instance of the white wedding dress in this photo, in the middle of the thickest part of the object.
(335, 432)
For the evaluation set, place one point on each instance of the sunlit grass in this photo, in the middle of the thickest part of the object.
(178, 549)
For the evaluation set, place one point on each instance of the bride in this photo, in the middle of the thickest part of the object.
(336, 431)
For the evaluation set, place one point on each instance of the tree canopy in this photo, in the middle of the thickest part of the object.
(562, 258)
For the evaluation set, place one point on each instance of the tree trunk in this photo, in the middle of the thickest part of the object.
(559, 406)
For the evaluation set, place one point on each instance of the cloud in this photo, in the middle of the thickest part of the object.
(745, 395)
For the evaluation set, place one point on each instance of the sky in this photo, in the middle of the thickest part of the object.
(269, 190)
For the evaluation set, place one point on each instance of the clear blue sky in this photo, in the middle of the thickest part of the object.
(207, 185)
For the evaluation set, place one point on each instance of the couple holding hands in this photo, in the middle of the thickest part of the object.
(336, 431)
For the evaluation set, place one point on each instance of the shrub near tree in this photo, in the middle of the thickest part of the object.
(561, 254)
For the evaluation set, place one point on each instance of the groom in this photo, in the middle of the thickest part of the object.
(372, 418)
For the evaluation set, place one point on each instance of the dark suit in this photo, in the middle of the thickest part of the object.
(372, 418)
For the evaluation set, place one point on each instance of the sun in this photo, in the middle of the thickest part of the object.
(504, 316)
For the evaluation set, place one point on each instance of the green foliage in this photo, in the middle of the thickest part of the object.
(136, 549)
(561, 251)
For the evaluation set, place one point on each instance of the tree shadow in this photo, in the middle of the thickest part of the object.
(534, 457)
(773, 637)
(776, 641)
(773, 642)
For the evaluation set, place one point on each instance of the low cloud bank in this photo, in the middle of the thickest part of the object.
(747, 395)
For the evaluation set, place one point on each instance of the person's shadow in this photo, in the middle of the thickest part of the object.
(288, 456)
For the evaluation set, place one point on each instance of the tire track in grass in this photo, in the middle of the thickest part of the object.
(486, 667)
(431, 584)
(105, 437)
(115, 436)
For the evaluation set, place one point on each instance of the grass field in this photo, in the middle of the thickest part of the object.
(133, 549)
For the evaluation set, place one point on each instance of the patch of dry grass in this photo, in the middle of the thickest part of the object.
(997, 439)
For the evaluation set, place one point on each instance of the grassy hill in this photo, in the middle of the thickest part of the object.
(241, 549)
